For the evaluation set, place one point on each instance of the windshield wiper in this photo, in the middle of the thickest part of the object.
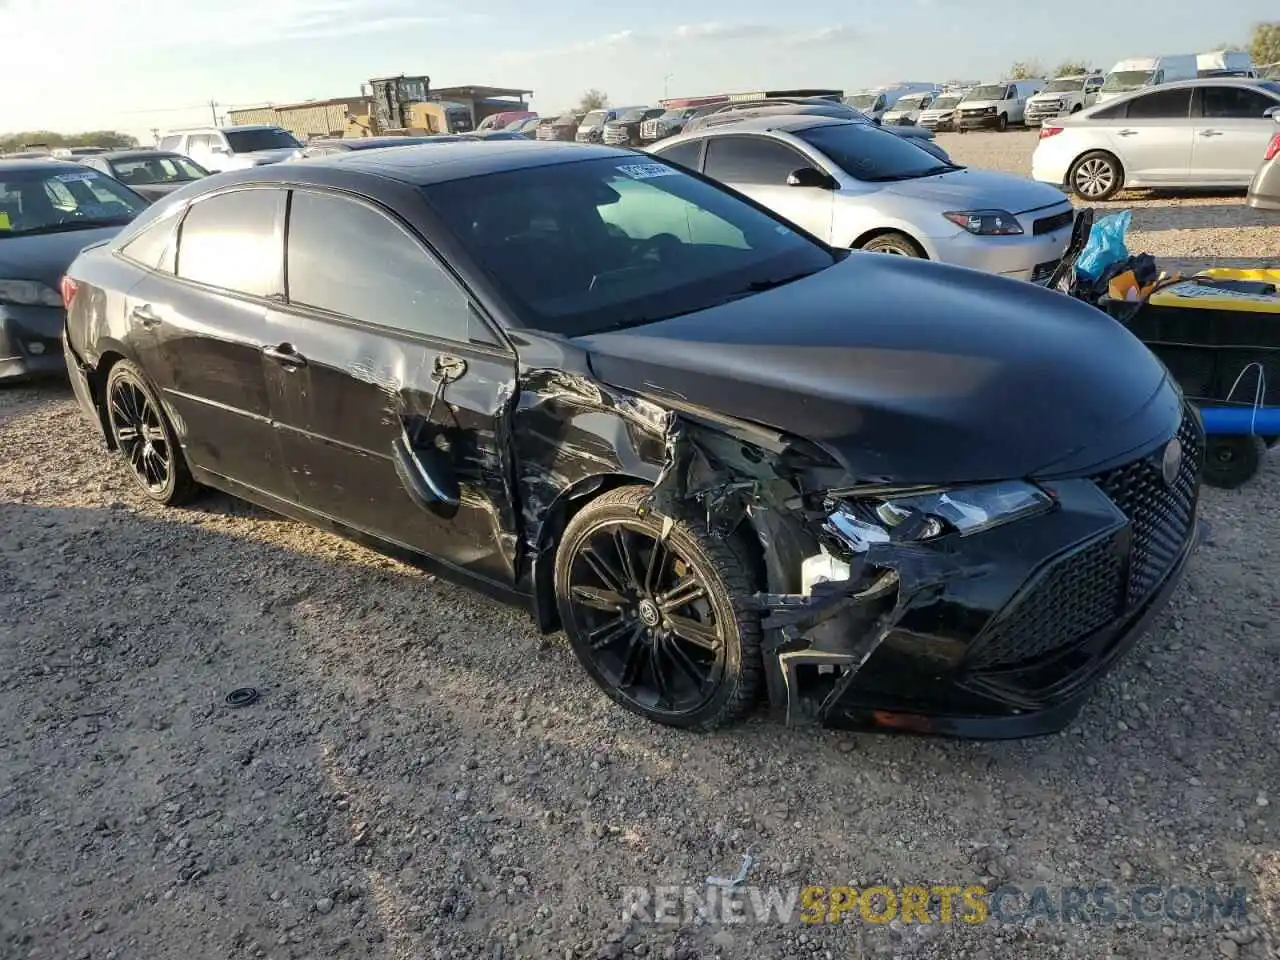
(756, 286)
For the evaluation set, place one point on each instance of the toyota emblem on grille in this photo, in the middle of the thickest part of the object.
(1171, 462)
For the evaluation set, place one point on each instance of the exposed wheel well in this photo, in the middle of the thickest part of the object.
(98, 386)
(572, 500)
(870, 235)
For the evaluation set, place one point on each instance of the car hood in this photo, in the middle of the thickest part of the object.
(969, 189)
(911, 131)
(45, 257)
(909, 371)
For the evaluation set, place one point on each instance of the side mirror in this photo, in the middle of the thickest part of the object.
(810, 177)
(1273, 113)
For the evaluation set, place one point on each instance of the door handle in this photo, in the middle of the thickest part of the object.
(1125, 133)
(145, 315)
(1210, 133)
(285, 355)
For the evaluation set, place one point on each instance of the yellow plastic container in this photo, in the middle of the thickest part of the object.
(1189, 294)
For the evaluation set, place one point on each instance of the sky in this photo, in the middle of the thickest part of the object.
(135, 65)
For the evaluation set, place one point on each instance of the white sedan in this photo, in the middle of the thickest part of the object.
(1194, 133)
(859, 187)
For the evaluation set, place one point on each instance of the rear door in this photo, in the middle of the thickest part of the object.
(1153, 140)
(759, 167)
(201, 319)
(383, 375)
(1231, 133)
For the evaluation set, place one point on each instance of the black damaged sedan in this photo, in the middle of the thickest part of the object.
(735, 465)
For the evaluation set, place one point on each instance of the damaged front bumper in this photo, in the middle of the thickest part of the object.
(999, 635)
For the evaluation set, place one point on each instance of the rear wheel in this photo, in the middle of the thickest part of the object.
(1231, 462)
(898, 244)
(145, 438)
(659, 612)
(1096, 176)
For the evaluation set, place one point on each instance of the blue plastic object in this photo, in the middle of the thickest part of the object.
(1241, 421)
(1105, 245)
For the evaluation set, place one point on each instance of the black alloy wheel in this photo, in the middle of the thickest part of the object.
(656, 612)
(144, 437)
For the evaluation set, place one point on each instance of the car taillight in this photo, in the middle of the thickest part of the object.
(69, 288)
(1273, 148)
(1046, 132)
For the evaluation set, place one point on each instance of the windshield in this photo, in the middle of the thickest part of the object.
(1065, 86)
(863, 101)
(54, 201)
(566, 120)
(671, 116)
(632, 116)
(945, 103)
(1127, 80)
(871, 154)
(247, 141)
(990, 91)
(910, 102)
(603, 244)
(142, 171)
(594, 118)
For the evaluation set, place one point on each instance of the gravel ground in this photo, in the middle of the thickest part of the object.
(424, 776)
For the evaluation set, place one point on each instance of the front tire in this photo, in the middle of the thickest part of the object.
(662, 622)
(1096, 176)
(897, 244)
(1003, 123)
(145, 438)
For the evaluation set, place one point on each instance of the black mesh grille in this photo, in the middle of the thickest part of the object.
(1074, 597)
(1084, 591)
(1159, 513)
(1056, 222)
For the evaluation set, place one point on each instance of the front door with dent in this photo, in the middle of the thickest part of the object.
(1232, 131)
(759, 167)
(383, 384)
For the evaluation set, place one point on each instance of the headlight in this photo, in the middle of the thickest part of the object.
(962, 510)
(986, 223)
(28, 293)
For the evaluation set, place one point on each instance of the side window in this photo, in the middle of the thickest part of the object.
(683, 154)
(1235, 103)
(1011, 93)
(1161, 105)
(198, 141)
(170, 143)
(232, 240)
(349, 259)
(751, 160)
(1116, 111)
(153, 247)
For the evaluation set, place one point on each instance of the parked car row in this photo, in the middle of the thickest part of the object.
(587, 316)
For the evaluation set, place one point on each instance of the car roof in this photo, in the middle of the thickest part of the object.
(136, 154)
(426, 164)
(785, 123)
(1208, 82)
(234, 126)
(29, 164)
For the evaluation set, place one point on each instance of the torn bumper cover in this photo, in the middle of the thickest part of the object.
(999, 632)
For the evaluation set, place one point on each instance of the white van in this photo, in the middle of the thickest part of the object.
(876, 102)
(1138, 72)
(907, 109)
(1225, 63)
(1063, 96)
(993, 106)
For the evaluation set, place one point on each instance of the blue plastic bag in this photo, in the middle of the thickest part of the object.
(1106, 245)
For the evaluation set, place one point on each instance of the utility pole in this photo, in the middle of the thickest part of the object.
(213, 111)
(666, 81)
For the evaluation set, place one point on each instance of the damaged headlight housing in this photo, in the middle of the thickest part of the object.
(986, 223)
(961, 510)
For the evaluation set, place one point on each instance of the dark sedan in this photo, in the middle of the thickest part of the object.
(150, 173)
(732, 462)
(49, 210)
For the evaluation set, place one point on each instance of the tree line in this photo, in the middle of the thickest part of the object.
(14, 142)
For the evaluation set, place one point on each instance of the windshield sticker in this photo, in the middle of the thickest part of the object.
(4, 221)
(78, 177)
(647, 171)
(100, 211)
